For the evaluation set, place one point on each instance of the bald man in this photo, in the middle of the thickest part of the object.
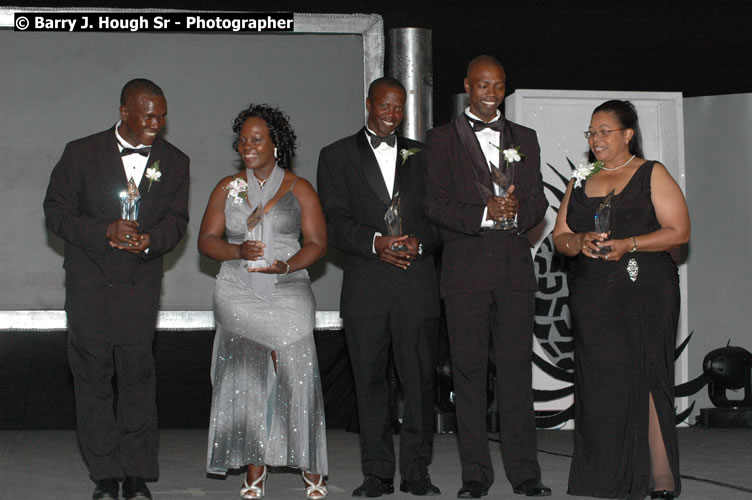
(487, 278)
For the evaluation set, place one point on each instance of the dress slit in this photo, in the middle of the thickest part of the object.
(662, 472)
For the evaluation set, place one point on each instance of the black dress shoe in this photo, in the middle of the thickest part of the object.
(533, 488)
(419, 487)
(134, 488)
(662, 494)
(106, 488)
(374, 486)
(472, 489)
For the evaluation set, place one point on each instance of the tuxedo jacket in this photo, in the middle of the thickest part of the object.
(109, 290)
(458, 183)
(355, 197)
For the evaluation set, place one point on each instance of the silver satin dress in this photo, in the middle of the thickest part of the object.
(259, 416)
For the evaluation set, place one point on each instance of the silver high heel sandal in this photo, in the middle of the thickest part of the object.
(319, 488)
(254, 490)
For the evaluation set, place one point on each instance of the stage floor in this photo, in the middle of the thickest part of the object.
(715, 463)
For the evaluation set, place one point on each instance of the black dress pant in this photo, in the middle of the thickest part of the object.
(115, 444)
(507, 317)
(412, 341)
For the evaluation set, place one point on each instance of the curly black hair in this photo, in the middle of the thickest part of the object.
(282, 135)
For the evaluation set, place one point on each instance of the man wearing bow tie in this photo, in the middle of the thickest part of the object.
(389, 299)
(113, 275)
(487, 279)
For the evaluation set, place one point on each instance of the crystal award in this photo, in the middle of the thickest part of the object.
(254, 231)
(393, 220)
(502, 179)
(603, 219)
(130, 199)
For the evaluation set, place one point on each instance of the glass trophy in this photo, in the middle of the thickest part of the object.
(130, 199)
(393, 220)
(502, 178)
(602, 219)
(254, 231)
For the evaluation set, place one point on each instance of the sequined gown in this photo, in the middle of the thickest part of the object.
(259, 416)
(624, 338)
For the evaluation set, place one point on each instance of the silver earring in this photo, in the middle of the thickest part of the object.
(275, 153)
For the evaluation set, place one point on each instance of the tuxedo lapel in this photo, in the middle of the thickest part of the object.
(507, 137)
(481, 173)
(112, 161)
(154, 157)
(508, 142)
(403, 183)
(371, 168)
(111, 174)
(401, 168)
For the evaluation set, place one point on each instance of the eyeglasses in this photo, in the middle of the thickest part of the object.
(604, 133)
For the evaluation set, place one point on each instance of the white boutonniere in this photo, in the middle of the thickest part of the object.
(238, 189)
(585, 171)
(153, 174)
(511, 155)
(407, 153)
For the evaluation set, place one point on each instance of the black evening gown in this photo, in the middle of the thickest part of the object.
(624, 337)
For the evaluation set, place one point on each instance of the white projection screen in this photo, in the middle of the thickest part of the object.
(57, 87)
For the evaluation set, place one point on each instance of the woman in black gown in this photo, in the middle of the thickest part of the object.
(624, 299)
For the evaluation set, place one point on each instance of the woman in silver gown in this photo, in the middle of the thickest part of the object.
(624, 298)
(267, 405)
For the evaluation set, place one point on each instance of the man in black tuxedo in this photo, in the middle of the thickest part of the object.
(113, 276)
(389, 299)
(487, 278)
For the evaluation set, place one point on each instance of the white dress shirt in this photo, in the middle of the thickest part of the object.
(386, 156)
(133, 164)
(487, 138)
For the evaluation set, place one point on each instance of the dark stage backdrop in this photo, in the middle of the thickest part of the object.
(36, 386)
(56, 87)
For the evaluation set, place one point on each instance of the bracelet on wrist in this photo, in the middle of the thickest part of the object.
(287, 270)
(634, 245)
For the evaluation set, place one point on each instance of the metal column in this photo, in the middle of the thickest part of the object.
(411, 62)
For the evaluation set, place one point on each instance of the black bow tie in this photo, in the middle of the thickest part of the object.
(138, 151)
(390, 140)
(478, 125)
